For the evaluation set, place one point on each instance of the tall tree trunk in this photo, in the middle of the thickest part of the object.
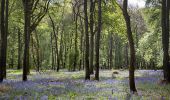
(37, 47)
(52, 52)
(61, 45)
(56, 42)
(92, 6)
(111, 50)
(132, 48)
(65, 55)
(6, 33)
(98, 39)
(76, 12)
(165, 38)
(32, 51)
(76, 39)
(87, 72)
(81, 45)
(12, 58)
(126, 55)
(19, 49)
(27, 15)
(3, 42)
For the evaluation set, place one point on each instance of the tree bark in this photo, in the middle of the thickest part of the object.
(132, 48)
(81, 45)
(56, 41)
(27, 15)
(92, 7)
(165, 39)
(6, 33)
(111, 52)
(52, 52)
(19, 50)
(3, 42)
(87, 71)
(98, 39)
(126, 55)
(37, 47)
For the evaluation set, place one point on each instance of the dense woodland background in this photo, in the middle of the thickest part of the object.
(84, 34)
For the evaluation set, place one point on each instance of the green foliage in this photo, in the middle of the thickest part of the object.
(145, 24)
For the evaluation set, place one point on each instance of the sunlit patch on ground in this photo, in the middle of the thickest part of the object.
(49, 85)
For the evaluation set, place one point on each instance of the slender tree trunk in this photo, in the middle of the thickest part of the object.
(32, 51)
(87, 71)
(65, 54)
(6, 33)
(61, 45)
(37, 47)
(81, 45)
(52, 52)
(19, 50)
(76, 12)
(3, 42)
(126, 55)
(98, 39)
(12, 58)
(111, 54)
(57, 50)
(56, 42)
(76, 39)
(132, 48)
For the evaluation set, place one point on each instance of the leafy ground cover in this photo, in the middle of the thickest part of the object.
(51, 85)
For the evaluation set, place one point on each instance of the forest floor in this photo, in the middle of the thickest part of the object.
(63, 85)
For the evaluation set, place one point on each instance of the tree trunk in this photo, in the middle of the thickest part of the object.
(126, 55)
(92, 6)
(111, 53)
(132, 48)
(6, 33)
(32, 51)
(19, 50)
(165, 38)
(98, 39)
(3, 42)
(12, 58)
(87, 72)
(52, 52)
(61, 45)
(81, 45)
(56, 42)
(37, 47)
(27, 14)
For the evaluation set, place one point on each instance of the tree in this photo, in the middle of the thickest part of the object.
(98, 39)
(19, 49)
(132, 48)
(165, 39)
(92, 7)
(27, 32)
(3, 42)
(76, 8)
(87, 71)
(31, 22)
(6, 34)
(110, 51)
(55, 32)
